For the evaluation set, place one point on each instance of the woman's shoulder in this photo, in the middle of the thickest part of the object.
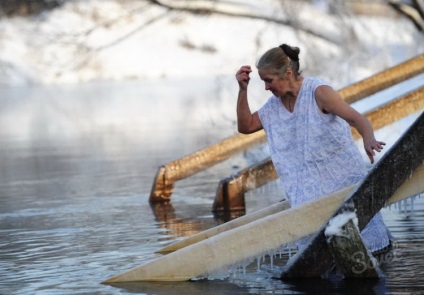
(316, 81)
(310, 84)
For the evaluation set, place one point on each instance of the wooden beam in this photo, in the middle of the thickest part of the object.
(230, 191)
(351, 256)
(395, 110)
(168, 174)
(383, 80)
(384, 179)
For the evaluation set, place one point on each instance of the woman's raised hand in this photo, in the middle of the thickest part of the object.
(242, 76)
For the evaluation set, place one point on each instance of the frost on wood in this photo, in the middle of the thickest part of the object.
(336, 224)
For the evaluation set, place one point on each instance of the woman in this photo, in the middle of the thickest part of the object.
(307, 126)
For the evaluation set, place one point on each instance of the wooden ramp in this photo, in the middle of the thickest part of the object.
(396, 176)
(230, 247)
(393, 169)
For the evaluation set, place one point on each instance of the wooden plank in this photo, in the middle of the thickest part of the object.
(233, 246)
(393, 169)
(414, 185)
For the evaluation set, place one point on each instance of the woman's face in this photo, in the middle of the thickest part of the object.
(274, 83)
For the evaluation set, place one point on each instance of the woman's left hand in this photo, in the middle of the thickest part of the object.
(371, 146)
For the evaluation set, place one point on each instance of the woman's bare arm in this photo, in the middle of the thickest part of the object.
(246, 121)
(329, 101)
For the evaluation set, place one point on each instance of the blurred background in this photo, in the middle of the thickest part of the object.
(69, 41)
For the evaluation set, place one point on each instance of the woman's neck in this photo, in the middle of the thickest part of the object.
(289, 99)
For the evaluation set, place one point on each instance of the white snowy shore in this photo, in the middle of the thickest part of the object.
(117, 40)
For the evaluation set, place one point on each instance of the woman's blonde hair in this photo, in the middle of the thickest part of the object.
(279, 59)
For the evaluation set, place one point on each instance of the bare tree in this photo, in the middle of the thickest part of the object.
(84, 53)
(79, 51)
(232, 9)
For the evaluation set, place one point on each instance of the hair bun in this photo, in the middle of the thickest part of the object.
(291, 52)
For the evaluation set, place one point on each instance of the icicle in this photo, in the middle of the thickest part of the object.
(258, 259)
(271, 257)
(412, 205)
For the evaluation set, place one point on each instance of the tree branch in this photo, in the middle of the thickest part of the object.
(198, 9)
(414, 13)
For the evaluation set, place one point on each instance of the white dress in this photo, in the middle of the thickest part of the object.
(314, 154)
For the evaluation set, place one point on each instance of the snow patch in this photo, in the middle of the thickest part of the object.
(335, 225)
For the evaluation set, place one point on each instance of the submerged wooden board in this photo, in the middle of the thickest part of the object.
(252, 239)
(394, 169)
(350, 253)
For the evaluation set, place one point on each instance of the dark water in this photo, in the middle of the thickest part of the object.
(76, 169)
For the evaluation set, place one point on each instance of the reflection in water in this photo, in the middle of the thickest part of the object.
(348, 287)
(203, 287)
(182, 226)
(76, 171)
